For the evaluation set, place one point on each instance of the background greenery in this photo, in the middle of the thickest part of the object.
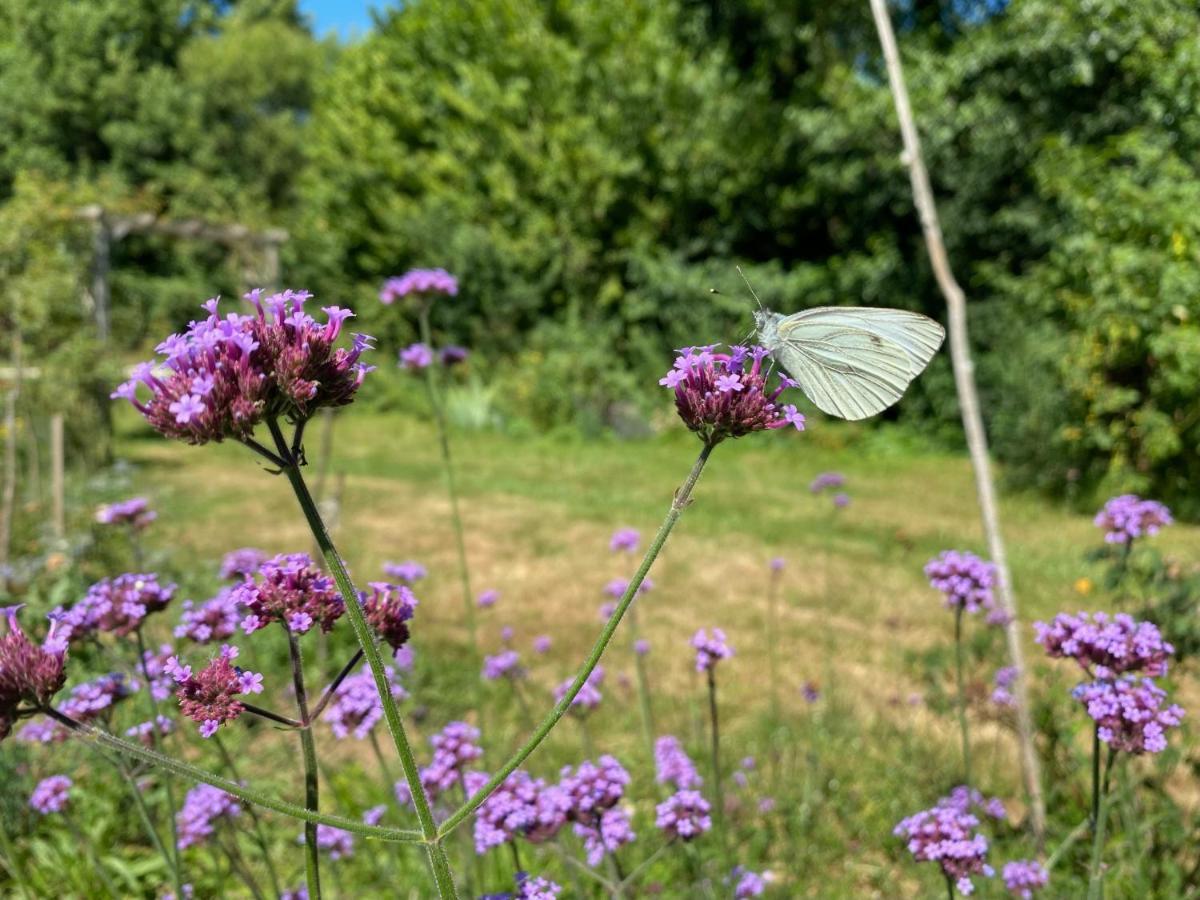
(590, 169)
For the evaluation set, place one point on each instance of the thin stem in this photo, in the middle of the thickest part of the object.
(334, 685)
(272, 716)
(256, 823)
(1096, 868)
(718, 793)
(103, 738)
(1069, 841)
(143, 813)
(262, 451)
(680, 502)
(366, 640)
(383, 766)
(144, 665)
(646, 863)
(238, 863)
(308, 749)
(516, 855)
(962, 698)
(949, 887)
(1095, 775)
(439, 417)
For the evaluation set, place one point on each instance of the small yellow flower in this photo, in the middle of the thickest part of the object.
(1083, 586)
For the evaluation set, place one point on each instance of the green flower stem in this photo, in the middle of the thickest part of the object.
(643, 684)
(1096, 868)
(389, 780)
(439, 417)
(176, 866)
(312, 785)
(104, 739)
(143, 812)
(682, 499)
(714, 722)
(260, 837)
(962, 697)
(1068, 842)
(366, 640)
(646, 863)
(316, 711)
(949, 887)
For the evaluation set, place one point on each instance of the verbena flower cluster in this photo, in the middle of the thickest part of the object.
(625, 540)
(589, 695)
(420, 356)
(1106, 646)
(291, 590)
(134, 513)
(51, 795)
(237, 564)
(617, 587)
(204, 808)
(336, 842)
(683, 816)
(117, 606)
(407, 571)
(1129, 713)
(966, 800)
(1005, 678)
(85, 703)
(355, 707)
(710, 649)
(723, 395)
(154, 666)
(223, 376)
(946, 835)
(1024, 877)
(529, 887)
(524, 807)
(673, 766)
(594, 790)
(747, 884)
(418, 282)
(1128, 517)
(210, 697)
(506, 664)
(454, 748)
(147, 733)
(388, 609)
(487, 599)
(29, 673)
(965, 580)
(213, 620)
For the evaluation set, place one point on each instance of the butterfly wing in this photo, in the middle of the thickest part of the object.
(855, 362)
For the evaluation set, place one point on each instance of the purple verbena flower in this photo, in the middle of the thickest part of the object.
(29, 673)
(710, 650)
(617, 587)
(718, 397)
(521, 807)
(454, 747)
(415, 357)
(810, 692)
(337, 843)
(1006, 677)
(237, 564)
(487, 599)
(946, 835)
(541, 643)
(672, 765)
(606, 833)
(51, 794)
(841, 500)
(1128, 517)
(827, 481)
(965, 580)
(213, 620)
(420, 282)
(147, 733)
(452, 355)
(1105, 646)
(408, 571)
(118, 606)
(625, 540)
(1129, 713)
(388, 609)
(592, 788)
(223, 376)
(777, 564)
(203, 808)
(506, 664)
(134, 512)
(291, 590)
(1024, 877)
(683, 815)
(355, 707)
(971, 800)
(532, 887)
(747, 883)
(589, 695)
(210, 697)
(641, 646)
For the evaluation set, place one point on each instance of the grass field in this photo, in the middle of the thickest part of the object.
(858, 617)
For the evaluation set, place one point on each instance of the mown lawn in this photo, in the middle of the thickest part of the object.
(858, 619)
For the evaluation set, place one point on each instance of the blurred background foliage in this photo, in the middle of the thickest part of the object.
(589, 170)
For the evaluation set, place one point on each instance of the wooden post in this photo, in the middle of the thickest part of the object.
(57, 480)
(101, 262)
(8, 490)
(968, 401)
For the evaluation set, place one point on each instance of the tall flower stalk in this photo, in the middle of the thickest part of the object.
(710, 650)
(308, 752)
(962, 697)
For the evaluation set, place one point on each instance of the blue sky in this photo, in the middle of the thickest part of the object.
(345, 17)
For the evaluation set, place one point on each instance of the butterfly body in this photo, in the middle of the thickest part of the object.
(851, 361)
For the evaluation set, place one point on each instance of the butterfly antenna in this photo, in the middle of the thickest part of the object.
(748, 285)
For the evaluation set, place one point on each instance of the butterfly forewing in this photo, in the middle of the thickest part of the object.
(917, 335)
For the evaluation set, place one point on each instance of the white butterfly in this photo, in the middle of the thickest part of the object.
(851, 361)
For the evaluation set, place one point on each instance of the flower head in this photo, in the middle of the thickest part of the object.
(1105, 646)
(946, 835)
(672, 765)
(589, 695)
(683, 815)
(337, 843)
(625, 540)
(1006, 677)
(747, 884)
(134, 512)
(223, 376)
(541, 644)
(355, 707)
(291, 590)
(1128, 517)
(506, 664)
(420, 282)
(521, 807)
(118, 606)
(777, 564)
(209, 698)
(408, 571)
(1129, 713)
(487, 599)
(213, 620)
(606, 833)
(710, 650)
(592, 788)
(416, 356)
(148, 732)
(454, 748)
(826, 481)
(29, 673)
(51, 794)
(389, 608)
(964, 578)
(237, 564)
(717, 396)
(1023, 877)
(641, 646)
(451, 355)
(203, 808)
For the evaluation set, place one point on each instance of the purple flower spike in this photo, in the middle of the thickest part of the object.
(777, 564)
(964, 579)
(1128, 517)
(203, 808)
(946, 835)
(418, 282)
(117, 606)
(710, 650)
(51, 794)
(503, 665)
(292, 591)
(1024, 877)
(1005, 679)
(673, 766)
(134, 513)
(541, 644)
(718, 397)
(355, 708)
(213, 620)
(589, 695)
(747, 884)
(1105, 646)
(237, 564)
(521, 807)
(683, 815)
(1129, 713)
(223, 376)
